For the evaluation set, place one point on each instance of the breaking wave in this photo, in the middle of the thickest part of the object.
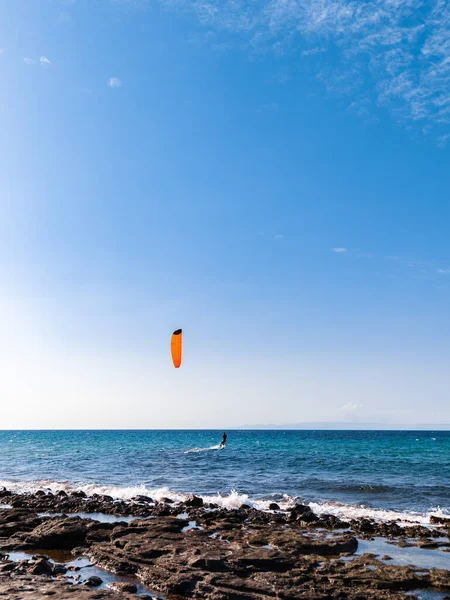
(232, 500)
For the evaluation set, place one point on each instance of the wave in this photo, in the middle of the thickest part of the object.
(232, 500)
(195, 450)
(366, 488)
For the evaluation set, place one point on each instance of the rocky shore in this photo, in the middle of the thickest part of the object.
(153, 549)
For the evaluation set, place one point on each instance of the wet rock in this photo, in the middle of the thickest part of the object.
(286, 564)
(8, 566)
(303, 513)
(428, 545)
(274, 506)
(42, 567)
(165, 500)
(366, 526)
(193, 501)
(439, 520)
(145, 499)
(93, 581)
(79, 494)
(123, 586)
(59, 533)
(59, 570)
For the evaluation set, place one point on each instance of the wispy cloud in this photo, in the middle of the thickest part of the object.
(278, 237)
(1, 51)
(389, 53)
(312, 51)
(44, 61)
(29, 61)
(115, 82)
(350, 406)
(418, 267)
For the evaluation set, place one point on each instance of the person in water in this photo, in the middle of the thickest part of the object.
(224, 440)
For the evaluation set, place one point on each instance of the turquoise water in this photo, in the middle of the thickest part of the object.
(340, 470)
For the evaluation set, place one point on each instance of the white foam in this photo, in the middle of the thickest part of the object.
(195, 450)
(351, 511)
(232, 500)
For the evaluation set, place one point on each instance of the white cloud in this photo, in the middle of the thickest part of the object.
(393, 53)
(29, 61)
(444, 271)
(278, 236)
(351, 406)
(339, 250)
(312, 51)
(44, 61)
(114, 82)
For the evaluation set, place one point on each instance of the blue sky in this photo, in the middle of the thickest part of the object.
(271, 176)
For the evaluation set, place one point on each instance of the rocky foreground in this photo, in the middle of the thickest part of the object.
(190, 550)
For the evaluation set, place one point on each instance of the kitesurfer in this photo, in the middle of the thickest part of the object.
(224, 440)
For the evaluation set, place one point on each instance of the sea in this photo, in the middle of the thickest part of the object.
(385, 475)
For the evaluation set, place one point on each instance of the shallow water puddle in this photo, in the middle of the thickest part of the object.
(100, 517)
(80, 569)
(83, 569)
(192, 525)
(427, 595)
(418, 557)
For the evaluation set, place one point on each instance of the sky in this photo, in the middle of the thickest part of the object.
(271, 176)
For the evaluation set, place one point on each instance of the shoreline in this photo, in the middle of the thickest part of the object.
(231, 500)
(193, 549)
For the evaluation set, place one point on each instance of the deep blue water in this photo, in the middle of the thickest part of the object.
(390, 470)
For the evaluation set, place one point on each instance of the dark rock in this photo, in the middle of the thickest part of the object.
(123, 586)
(42, 567)
(428, 545)
(165, 501)
(193, 501)
(270, 554)
(366, 526)
(59, 533)
(301, 508)
(145, 499)
(8, 566)
(79, 494)
(209, 563)
(59, 570)
(180, 584)
(106, 499)
(309, 517)
(439, 520)
(93, 581)
(274, 506)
